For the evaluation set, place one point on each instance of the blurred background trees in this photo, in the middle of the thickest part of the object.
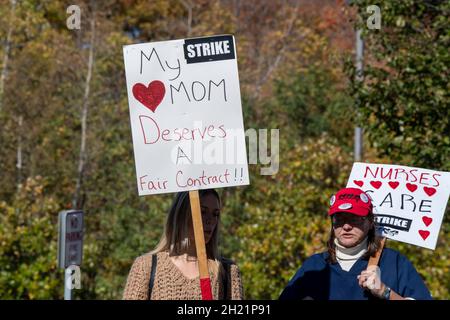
(295, 65)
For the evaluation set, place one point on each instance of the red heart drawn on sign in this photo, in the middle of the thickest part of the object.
(424, 234)
(411, 187)
(150, 96)
(393, 184)
(427, 220)
(376, 184)
(429, 191)
(359, 183)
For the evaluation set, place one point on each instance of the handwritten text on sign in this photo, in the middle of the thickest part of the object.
(186, 114)
(409, 203)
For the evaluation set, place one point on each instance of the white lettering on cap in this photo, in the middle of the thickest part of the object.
(345, 206)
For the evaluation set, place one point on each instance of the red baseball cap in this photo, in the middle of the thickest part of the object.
(351, 200)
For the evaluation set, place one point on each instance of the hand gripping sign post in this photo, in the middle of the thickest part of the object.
(70, 248)
(186, 122)
(409, 203)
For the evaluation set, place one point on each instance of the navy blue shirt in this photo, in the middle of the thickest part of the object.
(319, 280)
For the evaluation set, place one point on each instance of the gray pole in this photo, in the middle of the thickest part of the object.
(67, 284)
(70, 249)
(359, 77)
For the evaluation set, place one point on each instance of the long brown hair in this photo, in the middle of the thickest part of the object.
(175, 238)
(373, 241)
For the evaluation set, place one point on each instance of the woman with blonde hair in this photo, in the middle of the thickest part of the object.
(170, 271)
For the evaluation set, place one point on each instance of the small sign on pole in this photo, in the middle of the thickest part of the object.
(70, 248)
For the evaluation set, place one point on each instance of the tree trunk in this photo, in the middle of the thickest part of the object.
(188, 6)
(272, 67)
(84, 114)
(19, 154)
(7, 51)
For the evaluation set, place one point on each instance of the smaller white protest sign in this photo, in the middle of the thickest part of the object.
(409, 203)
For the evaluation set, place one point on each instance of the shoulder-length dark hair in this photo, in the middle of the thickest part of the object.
(373, 241)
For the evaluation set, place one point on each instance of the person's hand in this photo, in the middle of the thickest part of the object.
(370, 279)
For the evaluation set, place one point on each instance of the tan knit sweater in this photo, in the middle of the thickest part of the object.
(171, 284)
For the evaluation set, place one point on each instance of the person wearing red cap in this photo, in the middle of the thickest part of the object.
(342, 273)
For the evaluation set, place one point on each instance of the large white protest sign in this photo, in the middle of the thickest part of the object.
(186, 114)
(409, 203)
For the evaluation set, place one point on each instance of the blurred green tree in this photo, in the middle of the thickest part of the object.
(404, 100)
(28, 229)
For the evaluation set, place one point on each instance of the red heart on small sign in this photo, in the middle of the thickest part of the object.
(424, 234)
(150, 96)
(359, 183)
(394, 184)
(429, 191)
(376, 184)
(427, 220)
(411, 187)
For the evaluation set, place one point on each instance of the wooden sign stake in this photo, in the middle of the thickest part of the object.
(373, 261)
(205, 282)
